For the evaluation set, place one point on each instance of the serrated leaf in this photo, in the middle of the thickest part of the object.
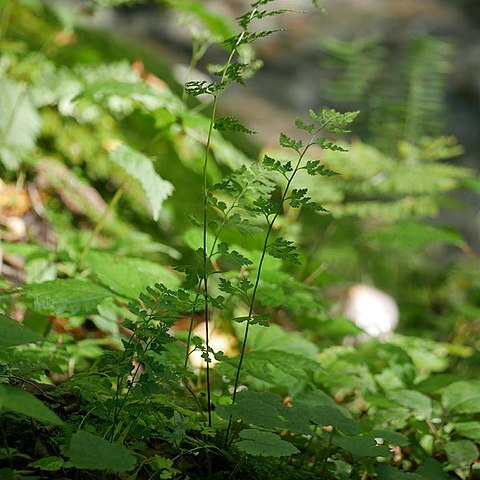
(231, 124)
(361, 447)
(432, 470)
(392, 438)
(331, 416)
(24, 403)
(19, 123)
(14, 333)
(323, 143)
(273, 165)
(468, 429)
(287, 142)
(258, 408)
(314, 167)
(141, 168)
(254, 319)
(246, 37)
(71, 296)
(233, 256)
(195, 88)
(462, 397)
(283, 249)
(91, 452)
(50, 464)
(461, 453)
(265, 444)
(303, 126)
(416, 401)
(128, 276)
(387, 472)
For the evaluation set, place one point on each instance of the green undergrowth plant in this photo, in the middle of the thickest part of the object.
(147, 233)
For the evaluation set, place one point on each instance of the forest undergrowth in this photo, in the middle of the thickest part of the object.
(172, 308)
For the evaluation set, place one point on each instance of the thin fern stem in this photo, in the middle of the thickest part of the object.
(100, 224)
(259, 273)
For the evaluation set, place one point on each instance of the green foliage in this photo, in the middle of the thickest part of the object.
(91, 452)
(265, 444)
(15, 334)
(24, 403)
(140, 168)
(173, 362)
(72, 296)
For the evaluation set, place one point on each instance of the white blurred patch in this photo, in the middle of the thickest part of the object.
(372, 310)
(218, 341)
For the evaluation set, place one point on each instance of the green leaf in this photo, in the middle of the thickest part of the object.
(314, 167)
(299, 123)
(195, 88)
(71, 296)
(273, 165)
(416, 401)
(14, 333)
(392, 438)
(258, 408)
(432, 470)
(468, 430)
(141, 168)
(128, 276)
(231, 124)
(24, 403)
(287, 142)
(254, 319)
(283, 249)
(50, 464)
(361, 447)
(232, 256)
(265, 444)
(387, 472)
(462, 397)
(91, 452)
(461, 453)
(19, 123)
(323, 143)
(325, 416)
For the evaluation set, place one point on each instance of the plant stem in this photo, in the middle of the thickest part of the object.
(259, 273)
(327, 453)
(100, 224)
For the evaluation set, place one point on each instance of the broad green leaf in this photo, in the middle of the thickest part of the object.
(387, 472)
(462, 397)
(91, 452)
(432, 469)
(265, 444)
(65, 296)
(461, 453)
(361, 447)
(468, 430)
(128, 276)
(19, 123)
(325, 415)
(18, 401)
(416, 401)
(141, 168)
(433, 383)
(276, 338)
(392, 438)
(50, 464)
(13, 333)
(262, 409)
